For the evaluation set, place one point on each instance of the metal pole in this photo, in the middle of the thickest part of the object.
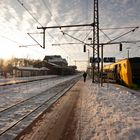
(102, 65)
(44, 38)
(88, 57)
(66, 26)
(128, 48)
(128, 53)
(96, 39)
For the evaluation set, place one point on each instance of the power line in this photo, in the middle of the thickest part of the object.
(128, 27)
(57, 22)
(49, 11)
(133, 30)
(35, 40)
(78, 30)
(105, 35)
(34, 18)
(29, 13)
(54, 19)
(18, 42)
(87, 35)
(52, 16)
(73, 37)
(9, 39)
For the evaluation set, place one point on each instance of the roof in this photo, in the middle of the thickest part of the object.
(43, 68)
(31, 68)
(55, 65)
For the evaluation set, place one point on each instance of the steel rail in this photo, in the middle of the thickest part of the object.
(20, 102)
(25, 81)
(68, 87)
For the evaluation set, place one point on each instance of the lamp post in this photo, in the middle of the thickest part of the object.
(128, 55)
(102, 61)
(88, 57)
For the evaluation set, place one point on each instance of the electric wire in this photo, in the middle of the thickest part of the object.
(105, 35)
(29, 12)
(9, 39)
(56, 23)
(120, 28)
(19, 43)
(34, 19)
(133, 30)
(87, 35)
(49, 11)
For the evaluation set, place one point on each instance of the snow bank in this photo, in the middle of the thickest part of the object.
(107, 113)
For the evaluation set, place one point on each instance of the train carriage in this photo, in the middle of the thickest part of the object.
(126, 71)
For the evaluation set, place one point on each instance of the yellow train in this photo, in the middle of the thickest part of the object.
(126, 72)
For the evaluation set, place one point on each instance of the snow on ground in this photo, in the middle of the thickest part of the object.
(102, 113)
(107, 113)
(11, 94)
(20, 79)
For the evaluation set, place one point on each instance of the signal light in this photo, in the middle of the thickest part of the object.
(120, 46)
(84, 48)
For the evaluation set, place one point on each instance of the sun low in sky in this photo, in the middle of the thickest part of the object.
(18, 18)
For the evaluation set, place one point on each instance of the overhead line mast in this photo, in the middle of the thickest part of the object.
(95, 40)
(65, 26)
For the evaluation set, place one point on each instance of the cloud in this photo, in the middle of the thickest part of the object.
(16, 22)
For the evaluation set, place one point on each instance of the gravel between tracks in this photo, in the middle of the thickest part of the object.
(52, 124)
(88, 112)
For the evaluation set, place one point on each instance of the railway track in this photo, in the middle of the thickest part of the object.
(17, 117)
(25, 80)
(15, 93)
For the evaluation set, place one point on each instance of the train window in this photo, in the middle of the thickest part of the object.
(119, 66)
(124, 65)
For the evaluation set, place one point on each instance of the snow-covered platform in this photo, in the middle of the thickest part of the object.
(109, 112)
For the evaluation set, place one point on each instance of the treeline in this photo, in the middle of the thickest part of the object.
(6, 66)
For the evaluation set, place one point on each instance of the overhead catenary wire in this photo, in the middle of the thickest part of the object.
(87, 35)
(84, 39)
(34, 19)
(49, 10)
(29, 12)
(105, 35)
(120, 28)
(133, 30)
(31, 33)
(52, 14)
(104, 28)
(9, 39)
(54, 20)
(18, 42)
(56, 23)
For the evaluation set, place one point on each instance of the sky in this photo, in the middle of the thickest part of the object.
(18, 18)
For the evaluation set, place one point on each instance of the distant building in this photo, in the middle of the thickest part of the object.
(73, 67)
(56, 65)
(29, 71)
(56, 59)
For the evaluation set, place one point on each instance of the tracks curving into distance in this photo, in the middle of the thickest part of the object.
(17, 117)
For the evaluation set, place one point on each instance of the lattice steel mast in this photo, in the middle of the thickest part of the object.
(96, 40)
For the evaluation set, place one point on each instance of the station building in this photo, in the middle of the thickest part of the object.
(51, 65)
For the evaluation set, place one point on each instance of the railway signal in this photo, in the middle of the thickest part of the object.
(84, 48)
(120, 46)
